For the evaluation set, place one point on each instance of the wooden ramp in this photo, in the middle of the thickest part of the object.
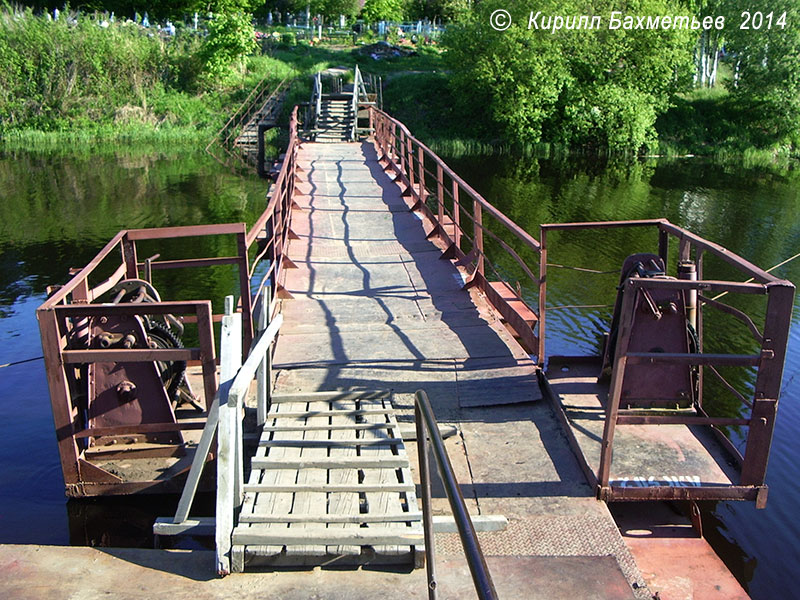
(329, 483)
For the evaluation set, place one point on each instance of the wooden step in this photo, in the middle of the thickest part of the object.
(330, 462)
(377, 536)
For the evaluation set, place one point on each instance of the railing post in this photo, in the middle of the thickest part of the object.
(129, 257)
(410, 163)
(244, 289)
(264, 372)
(631, 291)
(542, 294)
(403, 168)
(231, 359)
(421, 174)
(478, 232)
(440, 192)
(780, 298)
(456, 216)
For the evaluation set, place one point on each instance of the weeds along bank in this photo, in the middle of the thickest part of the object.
(86, 78)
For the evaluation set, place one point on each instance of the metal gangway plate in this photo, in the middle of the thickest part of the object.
(330, 482)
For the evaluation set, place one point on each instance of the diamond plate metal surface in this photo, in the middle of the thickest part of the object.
(555, 536)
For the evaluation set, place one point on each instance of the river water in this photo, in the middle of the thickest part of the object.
(57, 210)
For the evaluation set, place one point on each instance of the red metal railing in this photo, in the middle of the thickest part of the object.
(457, 203)
(460, 218)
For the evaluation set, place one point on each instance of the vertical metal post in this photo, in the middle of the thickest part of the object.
(60, 400)
(542, 294)
(478, 231)
(780, 297)
(617, 377)
(263, 373)
(456, 215)
(699, 260)
(440, 192)
(410, 163)
(663, 246)
(208, 358)
(425, 487)
(421, 174)
(129, 257)
(244, 290)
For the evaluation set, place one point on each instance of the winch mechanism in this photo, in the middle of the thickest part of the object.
(119, 394)
(662, 321)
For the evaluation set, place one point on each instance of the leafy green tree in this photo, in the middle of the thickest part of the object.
(383, 10)
(766, 63)
(230, 38)
(582, 87)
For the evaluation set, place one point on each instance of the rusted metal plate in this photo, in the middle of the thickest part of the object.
(127, 393)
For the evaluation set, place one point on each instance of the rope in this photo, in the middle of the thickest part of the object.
(770, 270)
(615, 271)
(19, 362)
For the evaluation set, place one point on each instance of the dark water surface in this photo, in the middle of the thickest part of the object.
(56, 212)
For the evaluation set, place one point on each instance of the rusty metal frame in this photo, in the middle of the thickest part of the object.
(769, 362)
(406, 156)
(77, 299)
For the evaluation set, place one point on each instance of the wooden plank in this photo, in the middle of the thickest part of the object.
(386, 500)
(302, 413)
(378, 441)
(361, 487)
(328, 426)
(330, 462)
(280, 497)
(363, 536)
(353, 517)
(311, 501)
(345, 504)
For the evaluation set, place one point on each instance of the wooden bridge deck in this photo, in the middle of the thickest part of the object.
(375, 307)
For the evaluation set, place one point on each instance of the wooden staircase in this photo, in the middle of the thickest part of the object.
(335, 120)
(330, 483)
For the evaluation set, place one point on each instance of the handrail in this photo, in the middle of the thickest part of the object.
(246, 103)
(428, 433)
(354, 103)
(316, 100)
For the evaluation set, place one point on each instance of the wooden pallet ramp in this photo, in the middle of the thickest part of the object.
(330, 483)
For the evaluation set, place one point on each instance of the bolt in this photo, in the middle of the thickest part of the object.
(126, 391)
(104, 319)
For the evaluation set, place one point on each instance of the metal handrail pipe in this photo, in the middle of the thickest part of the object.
(484, 586)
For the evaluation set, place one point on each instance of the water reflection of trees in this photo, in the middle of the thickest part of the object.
(59, 210)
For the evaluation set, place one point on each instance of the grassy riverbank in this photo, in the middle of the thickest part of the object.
(79, 84)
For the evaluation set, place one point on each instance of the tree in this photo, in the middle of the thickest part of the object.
(583, 86)
(383, 10)
(230, 38)
(766, 62)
